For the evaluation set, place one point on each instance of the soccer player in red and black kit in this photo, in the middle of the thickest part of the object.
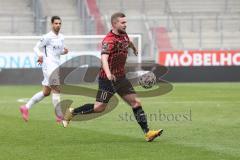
(112, 78)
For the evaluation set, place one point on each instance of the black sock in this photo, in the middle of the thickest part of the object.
(141, 118)
(84, 109)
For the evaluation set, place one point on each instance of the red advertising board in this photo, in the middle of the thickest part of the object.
(200, 58)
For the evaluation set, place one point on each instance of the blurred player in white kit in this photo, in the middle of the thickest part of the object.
(49, 49)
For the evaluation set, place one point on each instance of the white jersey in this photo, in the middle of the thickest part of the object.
(50, 47)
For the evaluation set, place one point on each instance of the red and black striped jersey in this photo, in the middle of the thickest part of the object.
(116, 46)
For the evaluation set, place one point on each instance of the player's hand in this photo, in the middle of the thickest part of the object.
(111, 77)
(40, 60)
(65, 51)
(135, 52)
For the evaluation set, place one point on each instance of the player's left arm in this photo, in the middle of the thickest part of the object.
(65, 49)
(131, 45)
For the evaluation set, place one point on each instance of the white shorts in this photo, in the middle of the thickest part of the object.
(50, 75)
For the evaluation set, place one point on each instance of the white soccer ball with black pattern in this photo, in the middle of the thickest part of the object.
(147, 80)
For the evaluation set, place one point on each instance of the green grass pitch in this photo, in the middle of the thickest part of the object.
(201, 122)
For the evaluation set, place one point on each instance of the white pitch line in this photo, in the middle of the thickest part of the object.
(23, 100)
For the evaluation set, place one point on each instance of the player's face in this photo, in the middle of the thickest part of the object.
(56, 25)
(121, 25)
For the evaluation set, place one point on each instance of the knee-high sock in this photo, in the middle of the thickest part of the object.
(35, 99)
(84, 109)
(141, 118)
(56, 103)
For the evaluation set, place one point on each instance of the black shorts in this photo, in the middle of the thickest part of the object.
(107, 88)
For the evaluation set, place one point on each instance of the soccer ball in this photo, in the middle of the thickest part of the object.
(147, 80)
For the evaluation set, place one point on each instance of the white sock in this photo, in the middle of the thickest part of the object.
(56, 103)
(35, 99)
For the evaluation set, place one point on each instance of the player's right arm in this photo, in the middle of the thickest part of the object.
(105, 65)
(39, 48)
(107, 48)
